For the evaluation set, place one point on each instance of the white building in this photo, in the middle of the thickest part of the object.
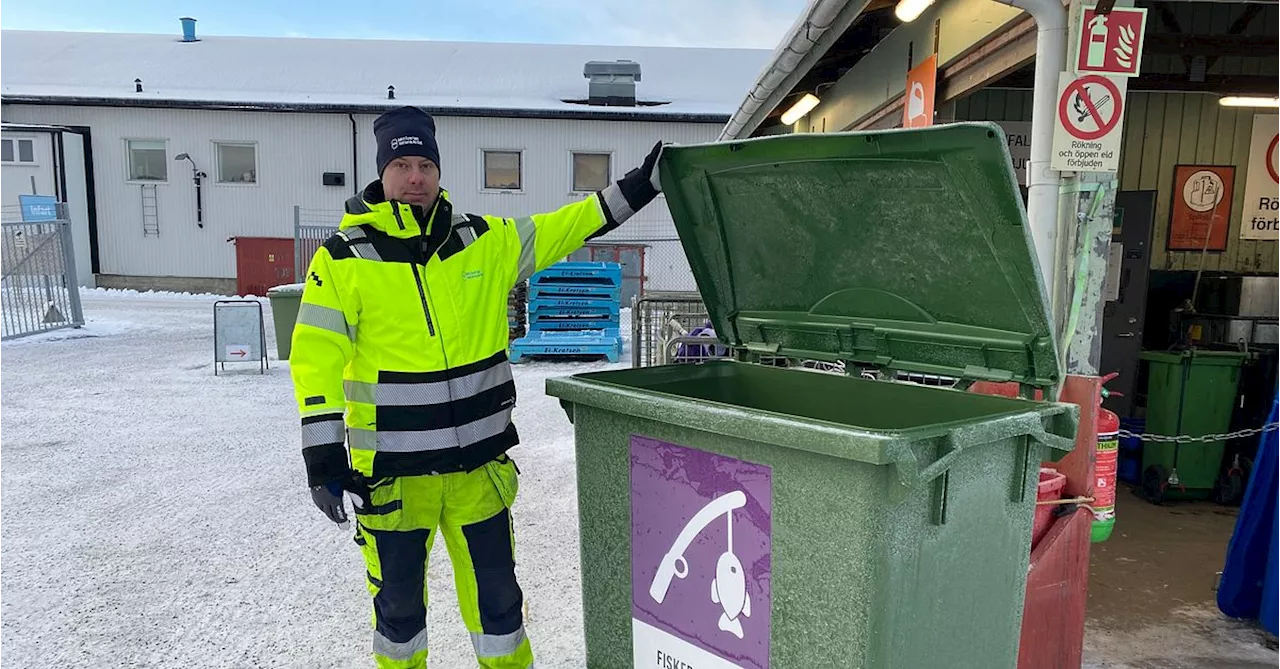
(279, 123)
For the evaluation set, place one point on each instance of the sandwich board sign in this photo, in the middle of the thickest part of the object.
(1088, 123)
(239, 334)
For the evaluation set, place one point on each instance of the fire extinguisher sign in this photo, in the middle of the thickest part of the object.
(1108, 43)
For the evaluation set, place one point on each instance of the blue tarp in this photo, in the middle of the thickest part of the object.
(1248, 587)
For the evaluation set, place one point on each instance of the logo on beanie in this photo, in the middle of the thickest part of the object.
(403, 141)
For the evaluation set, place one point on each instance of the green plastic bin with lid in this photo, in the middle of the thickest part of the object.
(1190, 393)
(735, 514)
(285, 300)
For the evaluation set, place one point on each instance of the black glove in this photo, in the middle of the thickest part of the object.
(641, 185)
(630, 194)
(328, 498)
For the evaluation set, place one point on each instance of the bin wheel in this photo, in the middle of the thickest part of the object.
(1155, 480)
(1229, 490)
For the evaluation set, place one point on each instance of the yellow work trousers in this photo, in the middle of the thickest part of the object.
(396, 530)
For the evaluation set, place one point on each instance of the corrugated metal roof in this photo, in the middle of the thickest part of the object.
(356, 73)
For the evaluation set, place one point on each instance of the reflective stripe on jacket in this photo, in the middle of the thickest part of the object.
(403, 328)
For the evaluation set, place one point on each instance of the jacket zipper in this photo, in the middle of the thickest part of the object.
(422, 295)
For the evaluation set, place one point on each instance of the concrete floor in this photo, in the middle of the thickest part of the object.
(1151, 593)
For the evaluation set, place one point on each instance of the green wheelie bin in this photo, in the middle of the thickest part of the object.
(738, 514)
(286, 301)
(1192, 393)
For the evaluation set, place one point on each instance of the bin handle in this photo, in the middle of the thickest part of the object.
(910, 474)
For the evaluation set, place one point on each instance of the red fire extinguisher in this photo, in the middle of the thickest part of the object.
(1105, 466)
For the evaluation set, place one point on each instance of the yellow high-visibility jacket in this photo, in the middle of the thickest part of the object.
(403, 327)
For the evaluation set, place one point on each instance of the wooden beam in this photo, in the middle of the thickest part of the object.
(1010, 49)
(1243, 84)
(1212, 45)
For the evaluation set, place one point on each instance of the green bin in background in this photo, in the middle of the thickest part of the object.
(285, 302)
(736, 514)
(1190, 393)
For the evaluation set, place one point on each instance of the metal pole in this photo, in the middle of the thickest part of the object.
(297, 244)
(1042, 180)
(76, 316)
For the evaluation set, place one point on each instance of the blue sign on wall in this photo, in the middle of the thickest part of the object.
(38, 207)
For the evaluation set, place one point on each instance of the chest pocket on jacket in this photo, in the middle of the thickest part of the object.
(467, 228)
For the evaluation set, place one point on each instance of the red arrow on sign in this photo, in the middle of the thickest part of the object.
(242, 353)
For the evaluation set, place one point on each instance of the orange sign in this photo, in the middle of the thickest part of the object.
(1201, 207)
(917, 108)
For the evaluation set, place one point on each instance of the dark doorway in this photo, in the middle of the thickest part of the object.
(1124, 314)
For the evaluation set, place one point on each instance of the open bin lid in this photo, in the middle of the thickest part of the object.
(905, 249)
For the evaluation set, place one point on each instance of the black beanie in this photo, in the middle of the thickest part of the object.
(407, 131)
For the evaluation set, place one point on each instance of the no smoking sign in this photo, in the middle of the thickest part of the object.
(1087, 128)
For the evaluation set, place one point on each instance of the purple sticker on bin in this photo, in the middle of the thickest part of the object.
(700, 558)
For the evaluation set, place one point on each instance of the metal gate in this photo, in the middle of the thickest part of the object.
(311, 227)
(38, 287)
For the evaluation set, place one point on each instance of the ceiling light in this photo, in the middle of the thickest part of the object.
(908, 10)
(800, 108)
(1243, 101)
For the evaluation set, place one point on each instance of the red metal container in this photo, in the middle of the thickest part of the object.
(261, 263)
(1051, 485)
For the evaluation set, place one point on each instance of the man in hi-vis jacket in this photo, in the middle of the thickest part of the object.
(400, 352)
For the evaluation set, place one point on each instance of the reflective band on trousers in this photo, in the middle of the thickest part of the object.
(439, 392)
(431, 440)
(322, 432)
(400, 651)
(528, 231)
(497, 645)
(325, 318)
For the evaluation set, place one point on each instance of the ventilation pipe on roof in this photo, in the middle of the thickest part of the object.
(188, 29)
(391, 92)
(1042, 180)
(612, 83)
(137, 85)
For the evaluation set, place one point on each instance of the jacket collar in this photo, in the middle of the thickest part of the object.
(398, 219)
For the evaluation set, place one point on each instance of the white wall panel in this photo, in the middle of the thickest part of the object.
(16, 178)
(294, 150)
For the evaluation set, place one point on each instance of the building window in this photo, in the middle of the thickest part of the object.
(502, 170)
(590, 171)
(237, 163)
(147, 160)
(18, 151)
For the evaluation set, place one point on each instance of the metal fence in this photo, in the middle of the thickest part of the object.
(38, 287)
(663, 322)
(311, 227)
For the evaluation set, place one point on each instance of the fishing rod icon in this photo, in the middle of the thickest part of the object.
(729, 587)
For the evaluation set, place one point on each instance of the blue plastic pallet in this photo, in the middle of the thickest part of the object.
(607, 273)
(607, 343)
(575, 305)
(565, 312)
(537, 320)
(571, 324)
(597, 291)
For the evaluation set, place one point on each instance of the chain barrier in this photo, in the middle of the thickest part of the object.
(1208, 438)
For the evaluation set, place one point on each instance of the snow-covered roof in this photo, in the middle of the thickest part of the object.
(457, 77)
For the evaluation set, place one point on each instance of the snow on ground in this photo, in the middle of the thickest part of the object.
(157, 516)
(154, 515)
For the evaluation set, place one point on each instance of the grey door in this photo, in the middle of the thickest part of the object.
(1123, 316)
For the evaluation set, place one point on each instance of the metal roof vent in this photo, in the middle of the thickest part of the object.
(189, 29)
(612, 83)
